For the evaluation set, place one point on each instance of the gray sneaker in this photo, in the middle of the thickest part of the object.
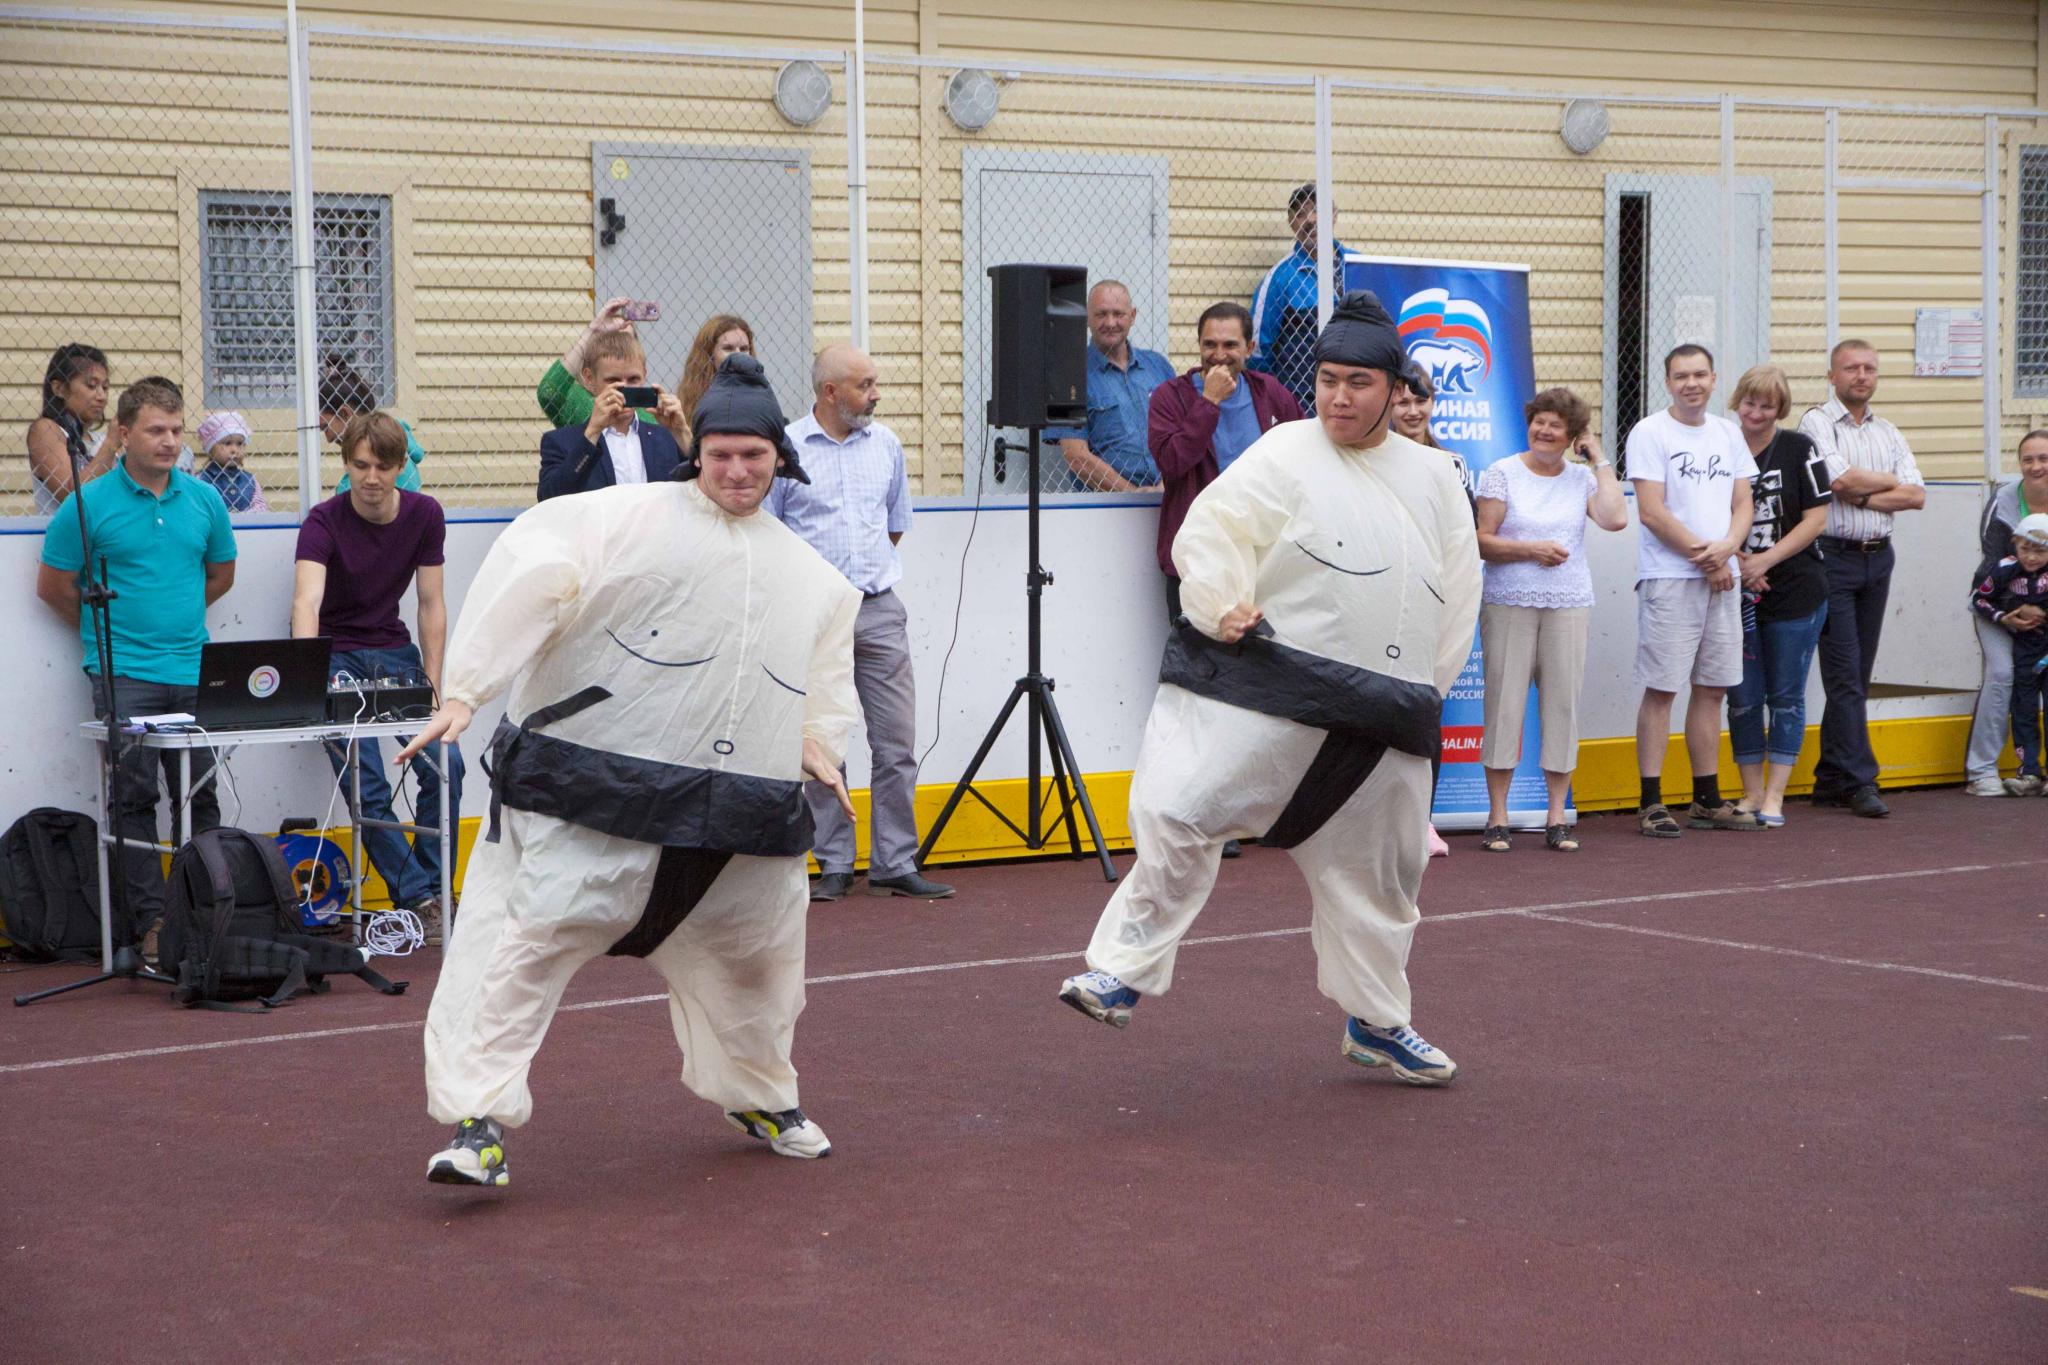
(787, 1133)
(2026, 784)
(475, 1157)
(1985, 786)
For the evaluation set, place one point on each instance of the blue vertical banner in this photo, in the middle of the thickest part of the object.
(1467, 324)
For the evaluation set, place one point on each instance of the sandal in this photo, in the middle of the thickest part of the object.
(1496, 839)
(1657, 822)
(1559, 837)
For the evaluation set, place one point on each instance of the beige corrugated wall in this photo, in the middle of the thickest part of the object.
(108, 135)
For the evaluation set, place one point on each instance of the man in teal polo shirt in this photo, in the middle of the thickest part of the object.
(169, 553)
(1110, 454)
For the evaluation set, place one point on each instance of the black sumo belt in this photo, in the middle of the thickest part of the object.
(700, 817)
(1363, 713)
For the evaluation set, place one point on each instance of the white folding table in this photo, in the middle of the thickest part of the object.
(225, 742)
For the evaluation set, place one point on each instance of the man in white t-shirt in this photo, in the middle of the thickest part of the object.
(1691, 472)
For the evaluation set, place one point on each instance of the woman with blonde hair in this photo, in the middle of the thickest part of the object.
(1784, 593)
(1538, 600)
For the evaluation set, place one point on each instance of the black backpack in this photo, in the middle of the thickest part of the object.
(50, 887)
(232, 932)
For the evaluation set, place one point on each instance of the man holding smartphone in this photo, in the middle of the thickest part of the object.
(614, 446)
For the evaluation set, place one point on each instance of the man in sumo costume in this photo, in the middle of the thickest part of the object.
(1329, 585)
(678, 664)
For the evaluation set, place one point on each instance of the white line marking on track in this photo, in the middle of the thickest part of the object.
(1775, 951)
(1540, 911)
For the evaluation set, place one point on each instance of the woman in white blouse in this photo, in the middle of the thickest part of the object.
(1538, 598)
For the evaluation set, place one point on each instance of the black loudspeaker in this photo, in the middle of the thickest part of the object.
(1038, 353)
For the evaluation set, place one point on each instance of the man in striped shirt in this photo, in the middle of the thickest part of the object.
(1874, 477)
(853, 511)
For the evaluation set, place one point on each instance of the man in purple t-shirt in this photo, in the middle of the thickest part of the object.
(357, 552)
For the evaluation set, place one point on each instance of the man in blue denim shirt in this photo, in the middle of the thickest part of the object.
(358, 551)
(1111, 455)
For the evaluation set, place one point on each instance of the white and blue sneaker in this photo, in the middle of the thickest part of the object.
(1405, 1050)
(1101, 996)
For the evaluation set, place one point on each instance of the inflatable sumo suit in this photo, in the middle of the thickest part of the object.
(1314, 733)
(665, 661)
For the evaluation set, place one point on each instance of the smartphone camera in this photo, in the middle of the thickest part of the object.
(640, 395)
(641, 310)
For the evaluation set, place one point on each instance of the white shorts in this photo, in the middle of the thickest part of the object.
(1687, 632)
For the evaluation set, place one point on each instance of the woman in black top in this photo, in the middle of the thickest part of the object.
(1785, 594)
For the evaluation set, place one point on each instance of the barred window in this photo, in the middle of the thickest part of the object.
(245, 285)
(2030, 277)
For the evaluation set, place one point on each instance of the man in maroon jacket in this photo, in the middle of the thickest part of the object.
(1208, 417)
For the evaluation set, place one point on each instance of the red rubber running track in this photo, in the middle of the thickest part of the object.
(1768, 1096)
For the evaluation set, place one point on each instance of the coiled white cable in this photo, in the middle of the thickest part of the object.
(394, 933)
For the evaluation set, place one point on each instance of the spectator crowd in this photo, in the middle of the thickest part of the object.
(1764, 542)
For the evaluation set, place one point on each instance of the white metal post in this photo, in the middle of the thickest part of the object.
(1325, 208)
(1831, 232)
(857, 182)
(305, 330)
(1994, 368)
(1728, 359)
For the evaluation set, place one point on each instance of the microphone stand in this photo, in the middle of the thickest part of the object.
(125, 962)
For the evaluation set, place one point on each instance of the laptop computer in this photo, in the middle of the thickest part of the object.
(272, 684)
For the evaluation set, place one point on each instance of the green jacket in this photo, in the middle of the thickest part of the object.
(566, 402)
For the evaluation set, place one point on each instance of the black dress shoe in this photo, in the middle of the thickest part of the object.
(909, 884)
(832, 886)
(1232, 849)
(1866, 803)
(1832, 798)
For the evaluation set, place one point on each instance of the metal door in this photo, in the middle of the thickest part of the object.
(707, 230)
(1663, 286)
(1106, 213)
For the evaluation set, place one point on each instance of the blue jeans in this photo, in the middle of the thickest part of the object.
(412, 870)
(2026, 707)
(1776, 657)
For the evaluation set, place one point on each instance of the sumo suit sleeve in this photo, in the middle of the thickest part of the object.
(831, 705)
(1229, 525)
(529, 586)
(1462, 582)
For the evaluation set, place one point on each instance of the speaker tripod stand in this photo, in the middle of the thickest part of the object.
(1042, 722)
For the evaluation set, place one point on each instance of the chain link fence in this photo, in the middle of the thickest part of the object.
(1622, 235)
(1172, 195)
(475, 200)
(145, 220)
(514, 187)
(1909, 210)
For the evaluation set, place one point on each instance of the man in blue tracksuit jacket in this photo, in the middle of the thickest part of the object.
(1284, 319)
